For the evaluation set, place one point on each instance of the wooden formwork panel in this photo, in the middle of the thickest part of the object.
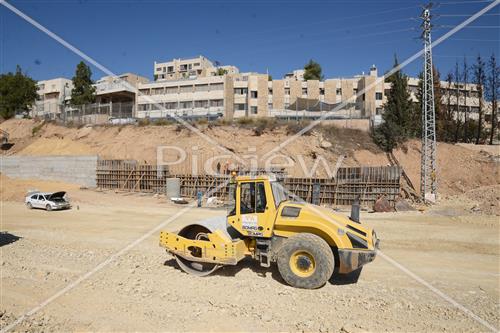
(365, 183)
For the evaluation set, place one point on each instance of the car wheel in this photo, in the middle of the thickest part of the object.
(306, 261)
(48, 207)
(29, 205)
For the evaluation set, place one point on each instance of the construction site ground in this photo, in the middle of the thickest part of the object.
(452, 246)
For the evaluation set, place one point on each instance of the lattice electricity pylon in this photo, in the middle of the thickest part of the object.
(428, 178)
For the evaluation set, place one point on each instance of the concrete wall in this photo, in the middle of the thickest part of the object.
(70, 169)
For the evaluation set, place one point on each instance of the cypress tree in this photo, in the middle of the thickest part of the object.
(398, 123)
(83, 91)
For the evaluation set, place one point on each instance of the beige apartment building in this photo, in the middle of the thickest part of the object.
(51, 97)
(177, 69)
(195, 87)
(115, 97)
(233, 94)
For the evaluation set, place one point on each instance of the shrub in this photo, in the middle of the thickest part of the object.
(295, 127)
(37, 129)
(143, 122)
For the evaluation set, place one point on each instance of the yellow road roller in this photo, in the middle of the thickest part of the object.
(306, 241)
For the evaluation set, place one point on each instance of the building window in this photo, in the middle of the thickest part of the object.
(253, 109)
(378, 111)
(322, 91)
(270, 91)
(196, 64)
(216, 103)
(339, 91)
(253, 94)
(186, 89)
(287, 91)
(171, 105)
(144, 91)
(158, 69)
(304, 91)
(157, 91)
(201, 87)
(240, 91)
(183, 68)
(186, 105)
(156, 106)
(378, 96)
(170, 69)
(240, 107)
(201, 104)
(143, 107)
(355, 91)
(171, 90)
(269, 106)
(287, 105)
(216, 86)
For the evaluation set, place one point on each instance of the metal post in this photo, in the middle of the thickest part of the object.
(428, 183)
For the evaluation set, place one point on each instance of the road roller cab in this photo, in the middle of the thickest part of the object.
(306, 241)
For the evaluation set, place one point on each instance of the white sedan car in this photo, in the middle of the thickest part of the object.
(47, 201)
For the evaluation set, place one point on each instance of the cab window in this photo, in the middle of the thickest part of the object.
(247, 198)
(261, 198)
(252, 198)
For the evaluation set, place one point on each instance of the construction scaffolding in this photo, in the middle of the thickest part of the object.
(366, 183)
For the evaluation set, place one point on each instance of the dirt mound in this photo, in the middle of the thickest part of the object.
(460, 168)
(57, 146)
(486, 199)
(16, 189)
(19, 128)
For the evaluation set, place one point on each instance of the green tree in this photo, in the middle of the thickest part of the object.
(465, 76)
(492, 92)
(17, 93)
(221, 72)
(83, 91)
(479, 80)
(442, 124)
(397, 126)
(312, 71)
(458, 109)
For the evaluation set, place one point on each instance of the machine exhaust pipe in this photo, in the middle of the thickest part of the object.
(355, 210)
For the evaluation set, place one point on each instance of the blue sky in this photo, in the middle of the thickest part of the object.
(345, 37)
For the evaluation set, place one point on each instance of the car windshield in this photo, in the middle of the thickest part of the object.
(279, 193)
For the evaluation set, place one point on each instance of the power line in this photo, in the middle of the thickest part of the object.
(463, 15)
(475, 40)
(297, 41)
(462, 2)
(473, 26)
(342, 18)
(327, 33)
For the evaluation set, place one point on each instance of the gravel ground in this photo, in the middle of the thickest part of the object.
(143, 290)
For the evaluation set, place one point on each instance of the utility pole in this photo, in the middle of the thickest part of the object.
(428, 175)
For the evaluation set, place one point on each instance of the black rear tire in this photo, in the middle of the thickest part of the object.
(29, 205)
(48, 207)
(305, 261)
